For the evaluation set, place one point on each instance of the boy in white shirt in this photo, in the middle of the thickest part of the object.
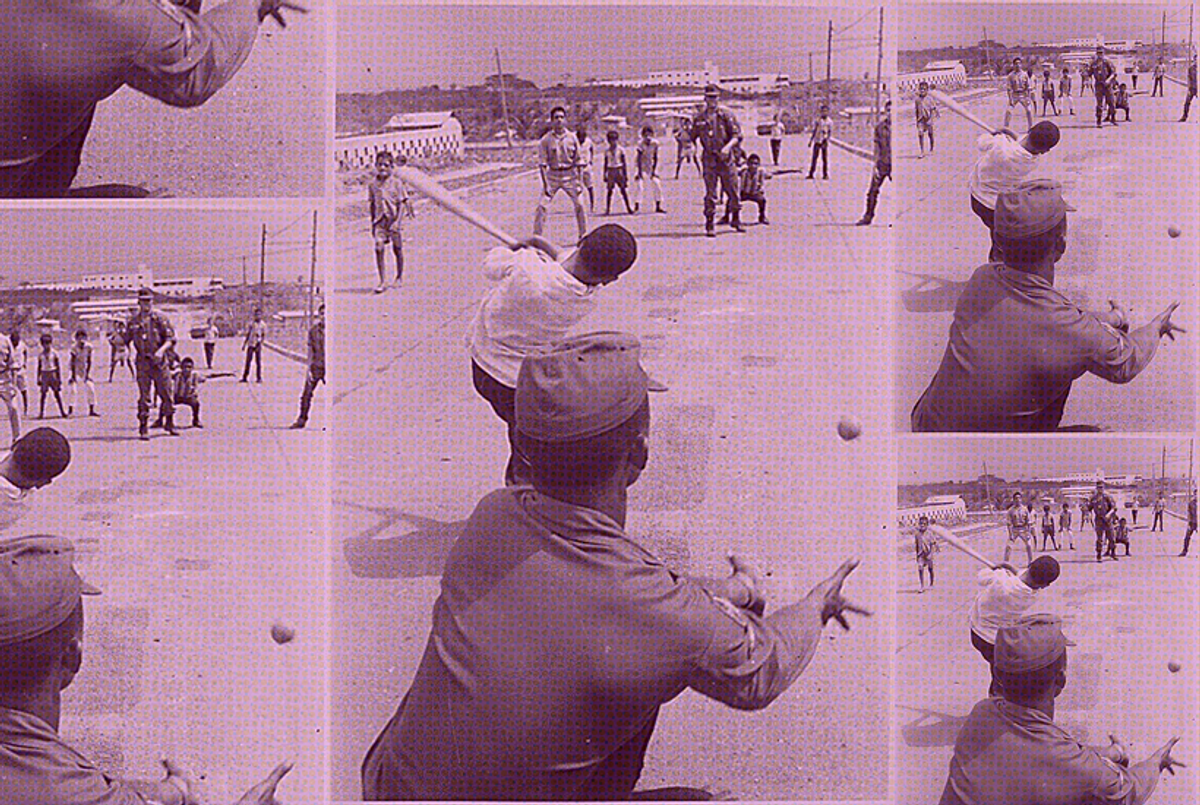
(542, 291)
(1006, 596)
(1005, 163)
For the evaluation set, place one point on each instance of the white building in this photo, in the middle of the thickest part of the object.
(420, 135)
(1092, 478)
(938, 508)
(132, 281)
(950, 74)
(746, 84)
(1092, 42)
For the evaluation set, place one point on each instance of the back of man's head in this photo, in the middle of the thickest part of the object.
(39, 457)
(608, 251)
(1030, 658)
(41, 609)
(581, 406)
(1044, 136)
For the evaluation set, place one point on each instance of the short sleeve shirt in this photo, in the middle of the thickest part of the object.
(587, 152)
(1002, 601)
(923, 108)
(555, 640)
(647, 157)
(533, 304)
(257, 333)
(1018, 519)
(1008, 754)
(81, 360)
(559, 152)
(1003, 165)
(1016, 345)
(38, 768)
(1102, 506)
(386, 199)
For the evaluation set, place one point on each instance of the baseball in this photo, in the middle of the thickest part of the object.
(1174, 231)
(1173, 666)
(849, 428)
(282, 633)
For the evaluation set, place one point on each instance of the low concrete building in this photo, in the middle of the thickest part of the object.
(418, 136)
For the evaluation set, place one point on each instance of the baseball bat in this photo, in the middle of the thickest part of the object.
(960, 110)
(448, 201)
(955, 542)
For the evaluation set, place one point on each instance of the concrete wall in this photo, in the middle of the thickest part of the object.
(360, 151)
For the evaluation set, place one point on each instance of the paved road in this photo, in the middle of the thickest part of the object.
(262, 135)
(764, 338)
(199, 543)
(1128, 619)
(1128, 183)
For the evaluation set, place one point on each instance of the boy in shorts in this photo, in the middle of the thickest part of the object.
(1019, 94)
(926, 110)
(1120, 537)
(753, 186)
(1019, 528)
(587, 154)
(926, 545)
(20, 360)
(560, 164)
(616, 172)
(1122, 101)
(119, 351)
(1048, 527)
(186, 389)
(49, 375)
(541, 292)
(388, 199)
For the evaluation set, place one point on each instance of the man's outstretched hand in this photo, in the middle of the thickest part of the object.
(1165, 325)
(264, 792)
(275, 9)
(827, 597)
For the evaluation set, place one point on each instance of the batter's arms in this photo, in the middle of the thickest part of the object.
(1146, 774)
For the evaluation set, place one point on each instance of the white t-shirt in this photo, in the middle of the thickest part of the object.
(532, 307)
(1004, 165)
(1002, 601)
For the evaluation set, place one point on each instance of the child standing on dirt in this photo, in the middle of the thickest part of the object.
(616, 172)
(388, 201)
(49, 370)
(81, 374)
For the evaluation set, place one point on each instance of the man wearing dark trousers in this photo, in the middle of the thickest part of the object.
(1104, 77)
(316, 367)
(152, 335)
(1191, 89)
(718, 131)
(883, 163)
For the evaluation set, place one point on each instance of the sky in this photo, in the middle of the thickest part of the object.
(389, 47)
(926, 460)
(58, 244)
(958, 24)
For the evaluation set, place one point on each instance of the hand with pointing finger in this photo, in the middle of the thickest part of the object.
(827, 597)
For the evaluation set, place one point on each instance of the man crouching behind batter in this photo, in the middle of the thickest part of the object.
(556, 638)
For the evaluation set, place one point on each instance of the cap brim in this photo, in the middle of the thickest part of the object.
(88, 589)
(655, 385)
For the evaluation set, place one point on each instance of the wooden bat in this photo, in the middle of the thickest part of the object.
(447, 200)
(954, 542)
(960, 110)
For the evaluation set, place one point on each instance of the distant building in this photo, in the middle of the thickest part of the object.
(417, 135)
(133, 280)
(745, 84)
(1092, 42)
(1091, 478)
(949, 74)
(678, 106)
(938, 508)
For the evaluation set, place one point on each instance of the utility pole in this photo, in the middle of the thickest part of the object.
(1191, 41)
(829, 62)
(987, 487)
(262, 265)
(243, 271)
(987, 52)
(1162, 40)
(810, 67)
(1163, 472)
(879, 66)
(503, 99)
(312, 271)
